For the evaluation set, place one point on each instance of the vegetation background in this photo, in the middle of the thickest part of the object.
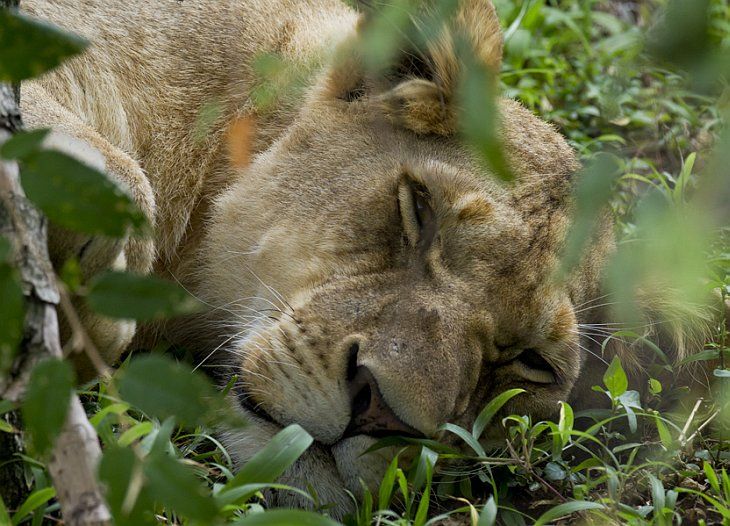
(640, 90)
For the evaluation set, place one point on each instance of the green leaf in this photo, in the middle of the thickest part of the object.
(553, 471)
(615, 379)
(34, 501)
(565, 424)
(47, 401)
(593, 191)
(479, 117)
(131, 296)
(241, 494)
(12, 310)
(4, 516)
(423, 504)
(282, 517)
(491, 409)
(655, 386)
(664, 435)
(129, 502)
(680, 189)
(567, 508)
(467, 437)
(712, 477)
(29, 47)
(385, 492)
(6, 406)
(114, 409)
(365, 512)
(5, 427)
(163, 388)
(488, 516)
(396, 441)
(400, 477)
(658, 494)
(23, 144)
(704, 356)
(277, 456)
(78, 197)
(176, 486)
(136, 431)
(424, 468)
(512, 518)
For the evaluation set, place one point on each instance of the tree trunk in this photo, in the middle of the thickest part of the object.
(13, 488)
(76, 452)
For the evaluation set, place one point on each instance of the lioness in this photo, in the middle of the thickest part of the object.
(367, 275)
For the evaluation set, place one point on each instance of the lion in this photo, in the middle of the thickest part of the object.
(367, 274)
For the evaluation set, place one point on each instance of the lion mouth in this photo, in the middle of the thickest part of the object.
(354, 428)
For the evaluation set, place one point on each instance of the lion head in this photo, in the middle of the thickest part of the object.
(374, 278)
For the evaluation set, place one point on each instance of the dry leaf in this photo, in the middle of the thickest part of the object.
(240, 136)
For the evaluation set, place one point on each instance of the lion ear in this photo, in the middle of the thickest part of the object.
(418, 91)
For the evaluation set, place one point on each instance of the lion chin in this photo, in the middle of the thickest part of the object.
(368, 275)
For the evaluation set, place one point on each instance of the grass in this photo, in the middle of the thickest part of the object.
(582, 66)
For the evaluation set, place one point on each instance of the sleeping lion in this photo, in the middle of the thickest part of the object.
(367, 274)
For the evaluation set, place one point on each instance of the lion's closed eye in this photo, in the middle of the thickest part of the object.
(533, 367)
(418, 216)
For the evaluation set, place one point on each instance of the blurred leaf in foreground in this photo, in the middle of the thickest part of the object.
(78, 197)
(131, 296)
(174, 485)
(47, 401)
(387, 29)
(30, 47)
(121, 472)
(683, 38)
(479, 114)
(664, 261)
(163, 388)
(593, 191)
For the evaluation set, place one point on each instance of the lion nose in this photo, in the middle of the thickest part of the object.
(370, 414)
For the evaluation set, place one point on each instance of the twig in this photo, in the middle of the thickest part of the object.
(76, 451)
(691, 418)
(80, 339)
(537, 477)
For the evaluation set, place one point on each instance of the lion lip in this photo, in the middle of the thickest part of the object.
(249, 404)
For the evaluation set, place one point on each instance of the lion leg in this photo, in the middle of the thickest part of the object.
(95, 254)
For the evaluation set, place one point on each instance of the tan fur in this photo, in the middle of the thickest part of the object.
(313, 248)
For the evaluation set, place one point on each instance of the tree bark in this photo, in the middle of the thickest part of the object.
(76, 452)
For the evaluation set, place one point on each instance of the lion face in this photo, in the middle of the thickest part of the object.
(376, 280)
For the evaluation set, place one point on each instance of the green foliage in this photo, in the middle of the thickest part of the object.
(491, 409)
(479, 117)
(164, 389)
(34, 501)
(126, 295)
(615, 379)
(29, 47)
(287, 518)
(70, 193)
(271, 462)
(46, 402)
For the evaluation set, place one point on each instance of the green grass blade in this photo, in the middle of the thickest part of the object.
(275, 458)
(283, 517)
(491, 409)
(34, 501)
(567, 508)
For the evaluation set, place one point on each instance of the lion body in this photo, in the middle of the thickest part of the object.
(320, 233)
